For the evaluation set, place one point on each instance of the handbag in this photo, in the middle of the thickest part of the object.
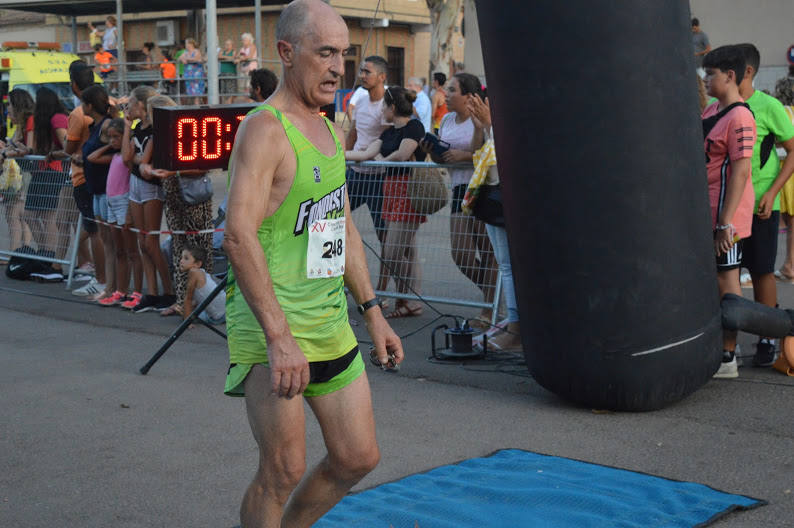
(195, 191)
(428, 193)
(484, 158)
(488, 206)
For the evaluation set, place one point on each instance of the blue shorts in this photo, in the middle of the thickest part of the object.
(101, 206)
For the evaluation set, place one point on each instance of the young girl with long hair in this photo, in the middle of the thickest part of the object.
(49, 134)
(96, 105)
(146, 202)
(125, 243)
(181, 216)
(20, 111)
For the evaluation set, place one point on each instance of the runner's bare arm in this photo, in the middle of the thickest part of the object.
(252, 174)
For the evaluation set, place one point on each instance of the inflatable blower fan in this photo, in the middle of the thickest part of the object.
(600, 153)
(457, 342)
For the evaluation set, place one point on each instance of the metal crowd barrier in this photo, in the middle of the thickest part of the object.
(122, 80)
(436, 256)
(39, 212)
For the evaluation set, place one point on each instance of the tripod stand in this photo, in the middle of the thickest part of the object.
(194, 316)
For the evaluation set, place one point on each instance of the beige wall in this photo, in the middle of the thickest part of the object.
(408, 29)
(414, 11)
(769, 24)
(416, 45)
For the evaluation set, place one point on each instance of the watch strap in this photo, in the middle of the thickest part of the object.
(363, 307)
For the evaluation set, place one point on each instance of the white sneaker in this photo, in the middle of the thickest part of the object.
(729, 367)
(91, 288)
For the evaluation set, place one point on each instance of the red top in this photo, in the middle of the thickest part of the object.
(28, 128)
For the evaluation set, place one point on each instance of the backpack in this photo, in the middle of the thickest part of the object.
(20, 268)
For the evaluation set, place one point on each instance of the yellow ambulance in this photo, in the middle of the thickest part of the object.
(30, 66)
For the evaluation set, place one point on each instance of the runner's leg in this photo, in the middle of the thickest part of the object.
(348, 426)
(278, 425)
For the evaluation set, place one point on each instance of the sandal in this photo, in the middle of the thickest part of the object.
(403, 310)
(478, 323)
(174, 309)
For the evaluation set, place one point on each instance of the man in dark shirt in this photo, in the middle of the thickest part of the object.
(700, 41)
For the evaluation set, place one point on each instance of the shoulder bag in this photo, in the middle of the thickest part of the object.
(196, 190)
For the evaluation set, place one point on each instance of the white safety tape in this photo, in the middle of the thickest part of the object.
(163, 232)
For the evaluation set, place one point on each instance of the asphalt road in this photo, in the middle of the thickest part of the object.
(86, 441)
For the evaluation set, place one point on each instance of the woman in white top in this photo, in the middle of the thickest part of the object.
(471, 248)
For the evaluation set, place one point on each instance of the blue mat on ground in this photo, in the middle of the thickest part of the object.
(515, 488)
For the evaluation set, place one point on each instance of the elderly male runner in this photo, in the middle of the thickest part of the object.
(293, 247)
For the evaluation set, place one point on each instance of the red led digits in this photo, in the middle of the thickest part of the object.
(216, 143)
(200, 138)
(192, 139)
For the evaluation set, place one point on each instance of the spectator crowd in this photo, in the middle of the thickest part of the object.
(108, 143)
(105, 146)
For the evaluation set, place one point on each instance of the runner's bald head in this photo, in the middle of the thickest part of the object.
(299, 17)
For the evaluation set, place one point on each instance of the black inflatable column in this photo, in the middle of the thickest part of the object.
(600, 152)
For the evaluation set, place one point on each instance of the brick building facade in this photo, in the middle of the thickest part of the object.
(404, 41)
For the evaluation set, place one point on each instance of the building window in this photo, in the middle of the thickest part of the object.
(396, 72)
(352, 63)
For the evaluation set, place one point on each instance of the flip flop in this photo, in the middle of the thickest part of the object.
(782, 277)
(404, 311)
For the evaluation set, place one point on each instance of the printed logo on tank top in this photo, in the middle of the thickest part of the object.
(317, 175)
(332, 205)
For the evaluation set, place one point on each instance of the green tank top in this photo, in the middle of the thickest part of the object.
(315, 308)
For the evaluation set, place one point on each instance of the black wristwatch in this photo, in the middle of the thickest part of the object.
(363, 307)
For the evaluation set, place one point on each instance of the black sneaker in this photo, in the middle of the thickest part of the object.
(165, 301)
(46, 273)
(47, 276)
(764, 354)
(148, 303)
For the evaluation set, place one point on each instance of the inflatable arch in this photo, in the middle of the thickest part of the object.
(599, 147)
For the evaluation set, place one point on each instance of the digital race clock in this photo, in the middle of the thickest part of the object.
(199, 137)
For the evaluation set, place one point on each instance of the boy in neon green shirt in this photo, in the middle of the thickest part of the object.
(773, 126)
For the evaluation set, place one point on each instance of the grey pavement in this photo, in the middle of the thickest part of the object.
(86, 441)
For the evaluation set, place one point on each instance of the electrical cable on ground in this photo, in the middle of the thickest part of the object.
(513, 364)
